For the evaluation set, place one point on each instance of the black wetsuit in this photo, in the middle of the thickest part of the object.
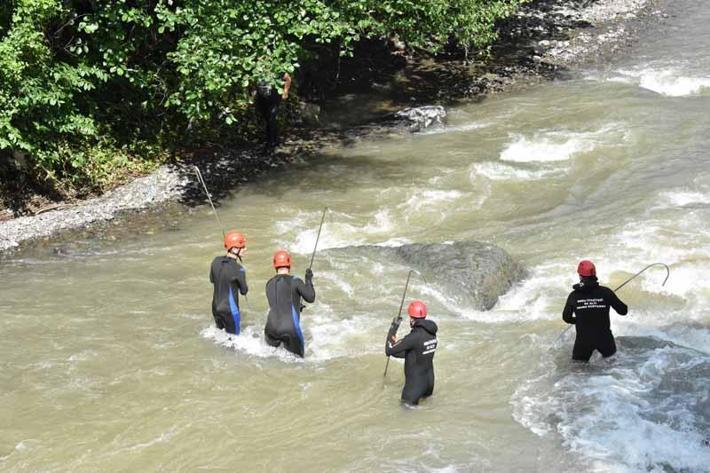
(283, 325)
(590, 302)
(417, 349)
(267, 105)
(228, 278)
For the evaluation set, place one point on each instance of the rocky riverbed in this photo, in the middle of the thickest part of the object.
(541, 41)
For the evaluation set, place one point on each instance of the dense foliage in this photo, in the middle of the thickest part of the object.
(89, 86)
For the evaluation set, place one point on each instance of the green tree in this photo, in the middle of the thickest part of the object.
(90, 89)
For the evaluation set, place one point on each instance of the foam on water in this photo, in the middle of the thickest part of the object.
(670, 82)
(299, 233)
(383, 223)
(682, 237)
(692, 335)
(519, 304)
(682, 198)
(532, 298)
(394, 242)
(446, 469)
(646, 409)
(675, 232)
(328, 336)
(434, 206)
(332, 337)
(454, 128)
(430, 199)
(543, 149)
(249, 342)
(549, 146)
(497, 171)
(556, 145)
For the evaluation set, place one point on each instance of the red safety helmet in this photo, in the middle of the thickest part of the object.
(234, 239)
(282, 259)
(417, 310)
(586, 268)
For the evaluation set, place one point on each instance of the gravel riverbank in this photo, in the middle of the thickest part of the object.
(542, 41)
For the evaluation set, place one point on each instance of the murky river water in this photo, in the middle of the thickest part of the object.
(110, 362)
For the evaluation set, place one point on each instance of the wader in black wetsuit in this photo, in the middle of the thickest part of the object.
(228, 278)
(267, 105)
(417, 349)
(590, 302)
(283, 325)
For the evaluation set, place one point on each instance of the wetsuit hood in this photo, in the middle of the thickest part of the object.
(587, 284)
(427, 325)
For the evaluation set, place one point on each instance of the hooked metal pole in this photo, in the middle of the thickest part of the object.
(668, 274)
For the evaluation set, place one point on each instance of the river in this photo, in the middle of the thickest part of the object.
(110, 361)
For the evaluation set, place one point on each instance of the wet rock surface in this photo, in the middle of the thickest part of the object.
(419, 118)
(472, 273)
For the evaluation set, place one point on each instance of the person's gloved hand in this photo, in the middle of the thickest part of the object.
(392, 333)
(309, 275)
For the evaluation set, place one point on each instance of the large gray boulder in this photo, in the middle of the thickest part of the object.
(472, 273)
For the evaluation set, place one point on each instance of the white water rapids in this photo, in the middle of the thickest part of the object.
(110, 361)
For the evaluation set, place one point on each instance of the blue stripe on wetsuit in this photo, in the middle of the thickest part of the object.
(235, 311)
(297, 324)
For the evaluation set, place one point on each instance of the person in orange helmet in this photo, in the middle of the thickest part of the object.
(229, 279)
(587, 308)
(417, 349)
(284, 293)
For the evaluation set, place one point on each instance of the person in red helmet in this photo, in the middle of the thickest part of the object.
(417, 349)
(284, 293)
(587, 308)
(229, 279)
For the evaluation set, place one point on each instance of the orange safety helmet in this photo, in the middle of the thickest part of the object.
(417, 310)
(234, 239)
(282, 259)
(586, 268)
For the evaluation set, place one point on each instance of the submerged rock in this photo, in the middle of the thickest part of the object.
(472, 273)
(419, 118)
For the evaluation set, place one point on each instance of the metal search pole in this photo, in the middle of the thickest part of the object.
(318, 237)
(399, 314)
(209, 198)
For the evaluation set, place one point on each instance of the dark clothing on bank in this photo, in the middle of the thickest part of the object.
(267, 105)
(417, 349)
(283, 325)
(587, 308)
(229, 279)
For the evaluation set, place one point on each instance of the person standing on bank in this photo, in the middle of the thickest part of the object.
(229, 279)
(284, 293)
(587, 308)
(417, 349)
(267, 105)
